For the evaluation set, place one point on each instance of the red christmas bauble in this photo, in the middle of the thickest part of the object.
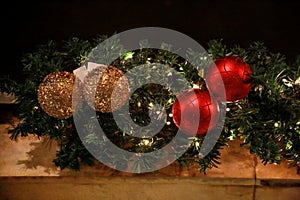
(235, 74)
(188, 118)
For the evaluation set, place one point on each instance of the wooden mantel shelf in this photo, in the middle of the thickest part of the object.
(73, 188)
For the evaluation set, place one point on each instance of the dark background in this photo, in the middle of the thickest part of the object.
(27, 24)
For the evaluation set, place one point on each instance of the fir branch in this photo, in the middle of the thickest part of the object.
(267, 120)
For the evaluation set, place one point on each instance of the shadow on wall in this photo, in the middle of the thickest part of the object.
(41, 154)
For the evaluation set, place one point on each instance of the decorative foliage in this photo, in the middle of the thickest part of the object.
(267, 120)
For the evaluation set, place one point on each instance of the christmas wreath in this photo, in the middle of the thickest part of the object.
(262, 102)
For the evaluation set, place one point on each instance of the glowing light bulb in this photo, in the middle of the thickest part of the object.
(128, 55)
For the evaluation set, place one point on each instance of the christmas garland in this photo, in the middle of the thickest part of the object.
(263, 111)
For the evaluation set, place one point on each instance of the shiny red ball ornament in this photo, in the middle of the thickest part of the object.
(235, 74)
(193, 121)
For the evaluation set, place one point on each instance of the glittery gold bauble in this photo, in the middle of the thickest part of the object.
(99, 85)
(55, 94)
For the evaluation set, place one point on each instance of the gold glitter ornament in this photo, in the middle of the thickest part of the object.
(55, 95)
(99, 85)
